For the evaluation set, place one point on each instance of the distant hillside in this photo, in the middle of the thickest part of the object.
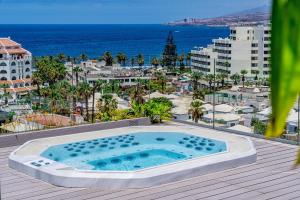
(254, 16)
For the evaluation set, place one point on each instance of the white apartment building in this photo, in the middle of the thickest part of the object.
(15, 67)
(246, 48)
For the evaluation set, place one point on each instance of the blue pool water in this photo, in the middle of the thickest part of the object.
(133, 151)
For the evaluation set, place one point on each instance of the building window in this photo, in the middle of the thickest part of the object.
(27, 84)
(266, 58)
(3, 79)
(13, 71)
(254, 52)
(254, 64)
(27, 76)
(13, 64)
(254, 45)
(3, 72)
(3, 64)
(266, 52)
(27, 62)
(254, 58)
(27, 70)
(13, 78)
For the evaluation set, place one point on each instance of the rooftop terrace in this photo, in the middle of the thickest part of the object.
(271, 177)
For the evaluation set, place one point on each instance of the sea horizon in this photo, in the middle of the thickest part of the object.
(95, 39)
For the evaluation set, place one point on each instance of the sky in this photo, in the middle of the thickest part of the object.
(117, 11)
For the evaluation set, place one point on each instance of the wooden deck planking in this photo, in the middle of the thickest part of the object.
(270, 177)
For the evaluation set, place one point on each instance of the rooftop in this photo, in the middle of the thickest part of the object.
(271, 177)
(8, 46)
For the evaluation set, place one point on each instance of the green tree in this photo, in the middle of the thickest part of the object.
(196, 77)
(77, 70)
(50, 70)
(38, 82)
(85, 92)
(61, 57)
(140, 60)
(196, 110)
(121, 58)
(199, 94)
(243, 73)
(161, 79)
(188, 59)
(6, 95)
(236, 78)
(132, 61)
(96, 87)
(107, 58)
(155, 62)
(170, 51)
(83, 57)
(106, 105)
(209, 78)
(157, 112)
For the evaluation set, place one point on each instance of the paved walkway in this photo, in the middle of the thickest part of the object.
(271, 177)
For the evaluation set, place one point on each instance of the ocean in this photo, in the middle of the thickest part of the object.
(94, 40)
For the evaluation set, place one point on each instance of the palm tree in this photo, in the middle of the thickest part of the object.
(96, 86)
(199, 94)
(140, 60)
(77, 70)
(155, 62)
(6, 94)
(180, 59)
(188, 59)
(132, 61)
(121, 58)
(255, 72)
(61, 57)
(157, 111)
(243, 73)
(106, 105)
(161, 80)
(219, 79)
(108, 59)
(236, 78)
(196, 110)
(209, 78)
(137, 93)
(85, 91)
(83, 57)
(196, 76)
(37, 80)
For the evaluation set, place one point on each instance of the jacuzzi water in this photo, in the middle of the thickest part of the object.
(133, 151)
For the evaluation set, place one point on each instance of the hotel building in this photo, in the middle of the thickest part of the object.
(247, 48)
(15, 68)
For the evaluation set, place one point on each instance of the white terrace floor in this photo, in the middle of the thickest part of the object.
(271, 177)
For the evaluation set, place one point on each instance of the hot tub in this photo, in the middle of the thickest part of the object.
(131, 157)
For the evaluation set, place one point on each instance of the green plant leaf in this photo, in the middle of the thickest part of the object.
(285, 62)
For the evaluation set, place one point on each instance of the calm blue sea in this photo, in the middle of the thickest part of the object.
(95, 39)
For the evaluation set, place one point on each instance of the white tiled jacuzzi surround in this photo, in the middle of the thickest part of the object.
(240, 151)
